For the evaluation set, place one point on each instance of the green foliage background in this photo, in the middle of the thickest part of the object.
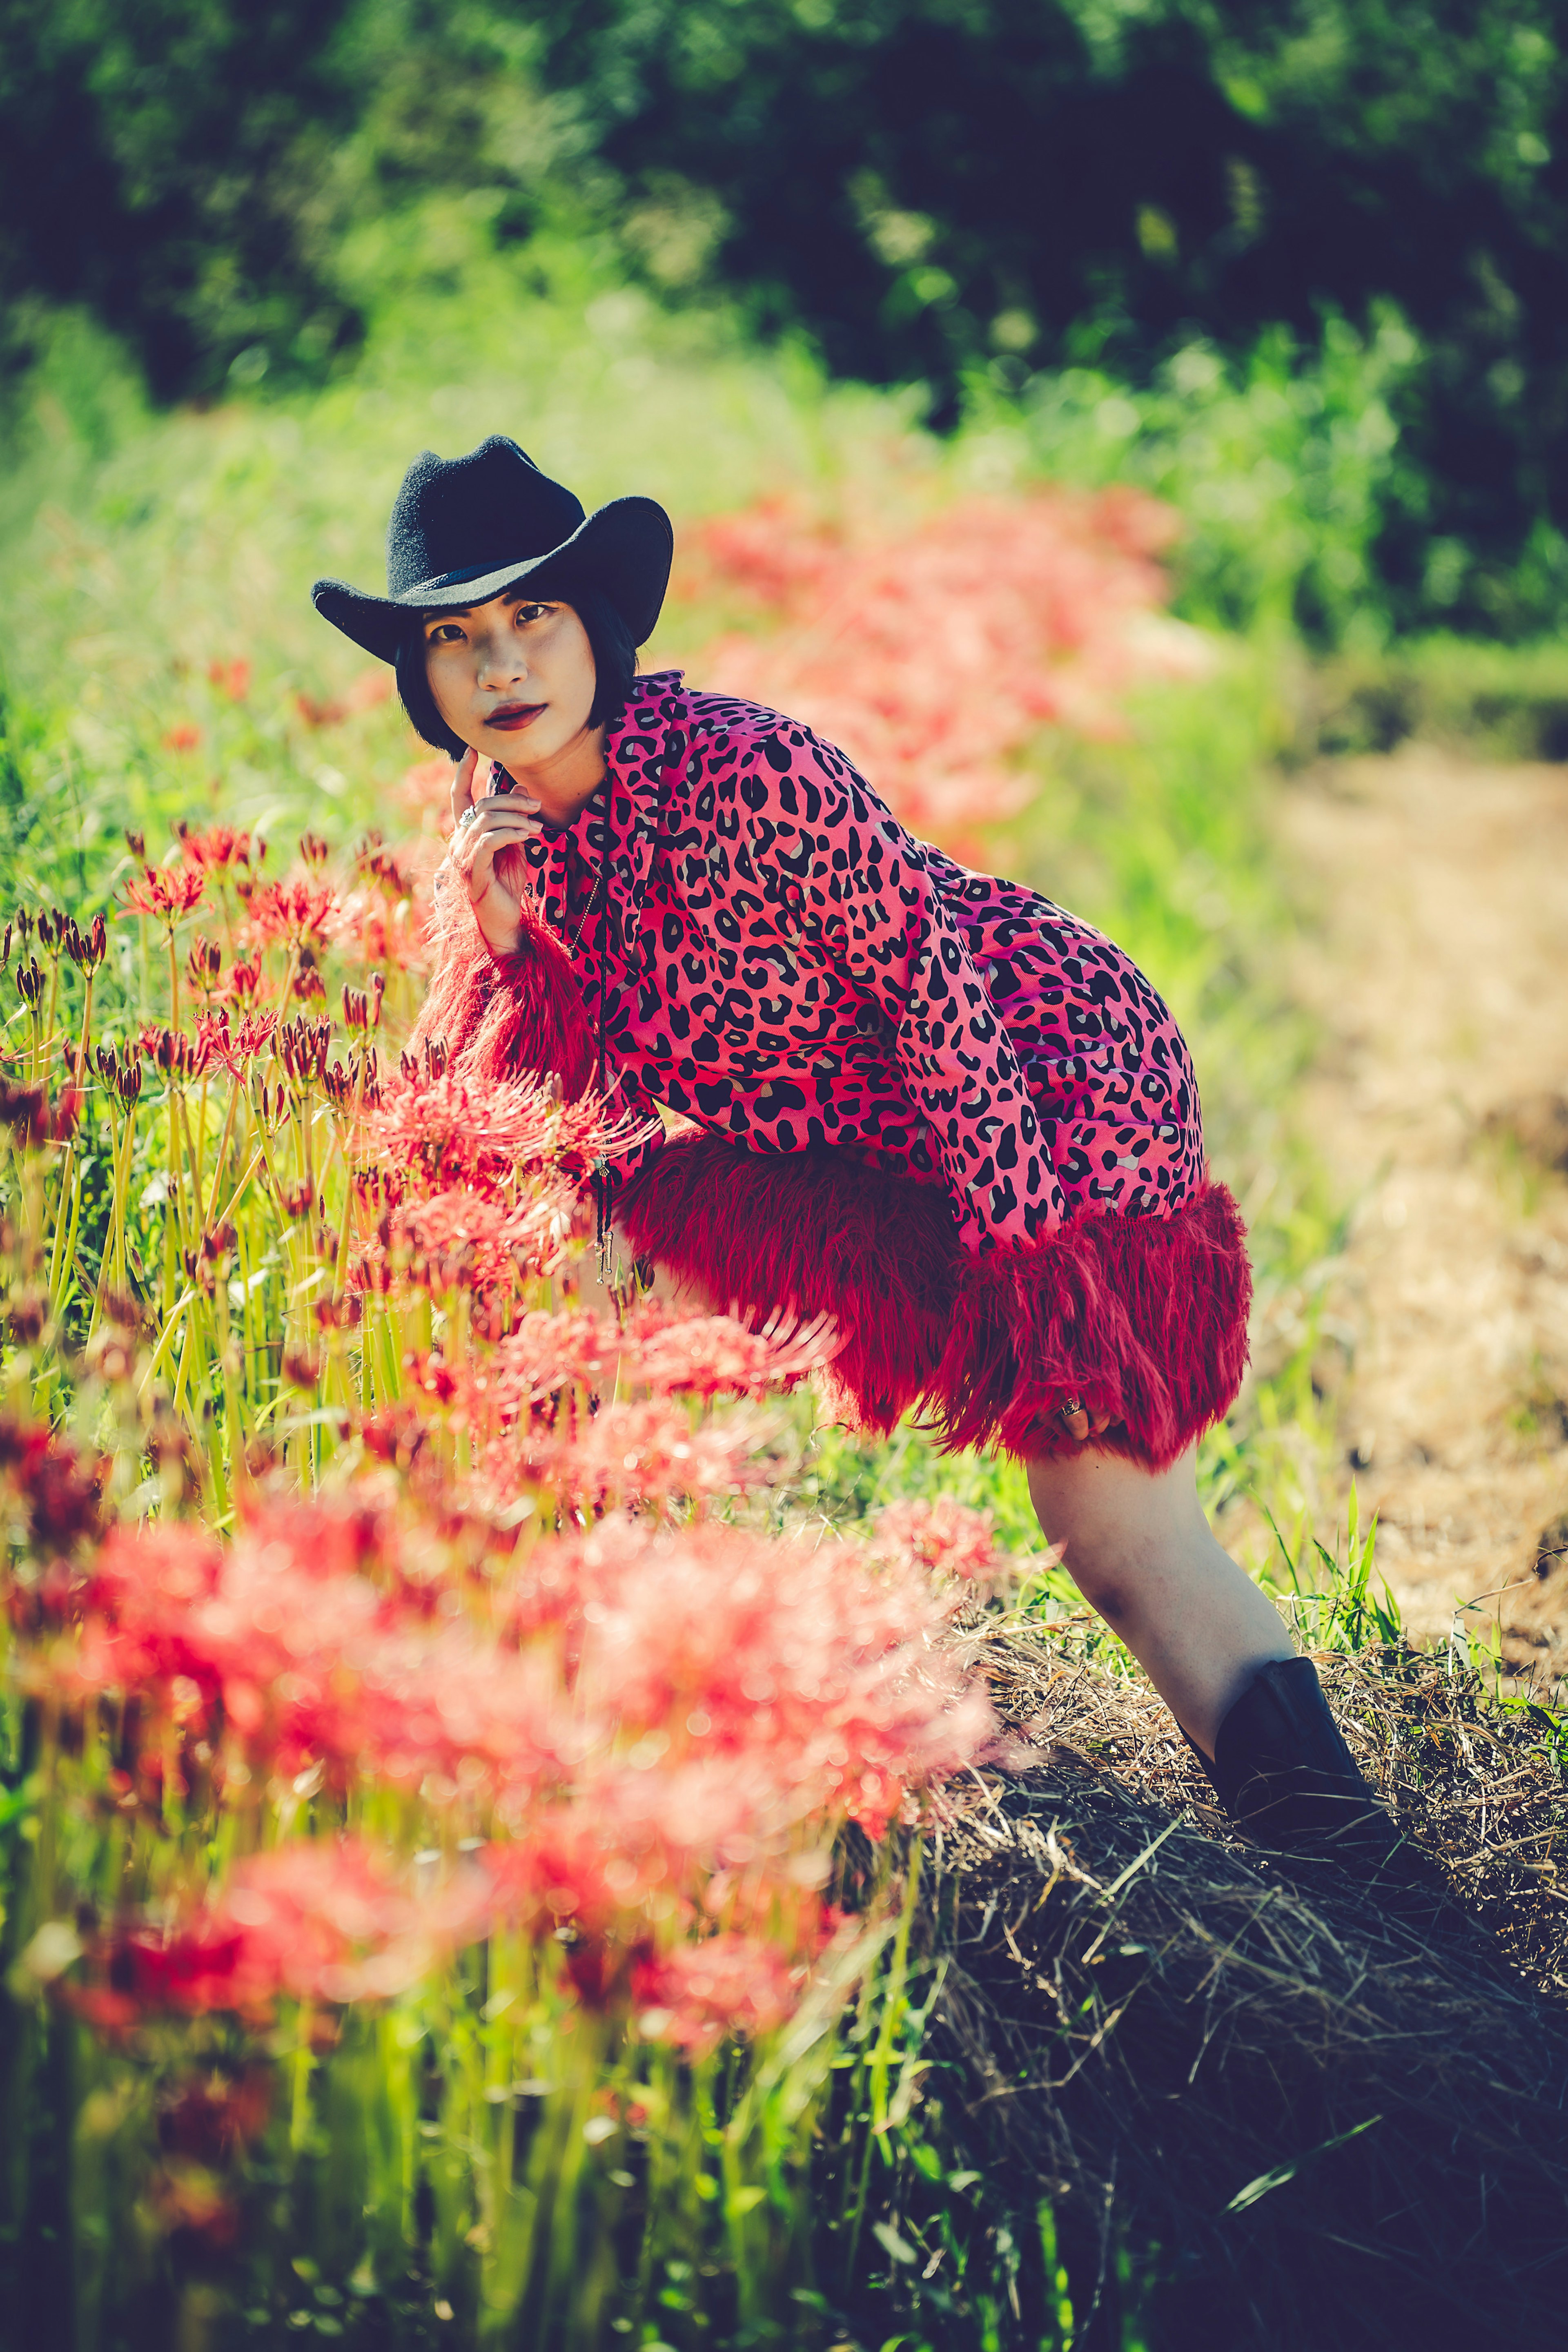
(1323, 201)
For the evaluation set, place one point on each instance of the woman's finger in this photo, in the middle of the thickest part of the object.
(498, 831)
(500, 812)
(484, 883)
(463, 785)
(1076, 1424)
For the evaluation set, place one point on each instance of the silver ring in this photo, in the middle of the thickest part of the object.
(467, 817)
(1074, 1405)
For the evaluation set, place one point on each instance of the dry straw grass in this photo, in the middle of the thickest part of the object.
(1332, 2129)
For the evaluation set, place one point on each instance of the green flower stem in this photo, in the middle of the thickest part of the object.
(164, 1339)
(208, 1224)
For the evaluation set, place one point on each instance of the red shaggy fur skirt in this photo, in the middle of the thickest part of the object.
(1144, 1319)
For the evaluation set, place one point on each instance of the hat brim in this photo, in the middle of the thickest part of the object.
(624, 548)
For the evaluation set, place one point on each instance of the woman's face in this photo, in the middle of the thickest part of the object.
(514, 678)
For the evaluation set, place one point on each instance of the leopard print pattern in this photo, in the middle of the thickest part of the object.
(772, 955)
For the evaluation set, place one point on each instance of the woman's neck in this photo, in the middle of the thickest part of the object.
(565, 782)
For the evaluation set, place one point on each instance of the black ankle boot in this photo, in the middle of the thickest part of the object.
(1285, 1776)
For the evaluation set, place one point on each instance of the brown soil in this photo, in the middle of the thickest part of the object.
(1434, 954)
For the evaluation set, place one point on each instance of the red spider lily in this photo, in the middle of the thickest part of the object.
(424, 791)
(164, 1567)
(547, 1353)
(299, 913)
(771, 556)
(945, 1538)
(237, 1048)
(176, 1054)
(714, 1355)
(668, 1354)
(33, 1119)
(362, 1006)
(320, 1922)
(204, 967)
(336, 1924)
(932, 657)
(60, 1489)
(309, 1659)
(171, 893)
(184, 738)
(780, 1680)
(732, 1646)
(572, 1864)
(631, 1453)
(443, 1131)
(201, 1967)
(374, 928)
(466, 1239)
(370, 689)
(698, 1994)
(231, 677)
(216, 850)
(212, 2117)
(379, 869)
(243, 982)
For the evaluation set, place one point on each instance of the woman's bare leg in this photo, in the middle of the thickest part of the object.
(666, 1289)
(1140, 1551)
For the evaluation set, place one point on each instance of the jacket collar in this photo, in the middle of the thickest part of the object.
(649, 742)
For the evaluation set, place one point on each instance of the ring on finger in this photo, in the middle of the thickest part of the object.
(1074, 1405)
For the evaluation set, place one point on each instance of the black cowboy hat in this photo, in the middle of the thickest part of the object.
(464, 529)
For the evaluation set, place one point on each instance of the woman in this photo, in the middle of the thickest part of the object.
(932, 1104)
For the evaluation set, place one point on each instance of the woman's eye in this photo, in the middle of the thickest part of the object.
(531, 612)
(446, 632)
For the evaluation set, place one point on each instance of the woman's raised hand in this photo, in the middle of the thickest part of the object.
(503, 817)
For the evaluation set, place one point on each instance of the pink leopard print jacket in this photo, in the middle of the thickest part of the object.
(789, 967)
(928, 1102)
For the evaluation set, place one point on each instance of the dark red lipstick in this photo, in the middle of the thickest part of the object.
(511, 715)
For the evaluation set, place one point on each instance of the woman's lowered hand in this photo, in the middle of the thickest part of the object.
(505, 818)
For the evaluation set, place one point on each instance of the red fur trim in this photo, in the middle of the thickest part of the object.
(810, 1233)
(1144, 1319)
(505, 1016)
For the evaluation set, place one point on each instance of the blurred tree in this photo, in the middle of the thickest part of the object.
(939, 190)
(162, 162)
(931, 186)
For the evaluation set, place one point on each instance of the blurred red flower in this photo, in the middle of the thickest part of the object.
(168, 892)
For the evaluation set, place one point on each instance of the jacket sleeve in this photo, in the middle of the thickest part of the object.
(867, 880)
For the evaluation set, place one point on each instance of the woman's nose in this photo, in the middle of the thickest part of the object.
(500, 658)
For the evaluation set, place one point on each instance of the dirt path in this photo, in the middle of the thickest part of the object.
(1436, 961)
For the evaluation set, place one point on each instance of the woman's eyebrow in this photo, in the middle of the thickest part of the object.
(446, 612)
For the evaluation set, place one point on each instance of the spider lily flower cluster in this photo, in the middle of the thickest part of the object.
(452, 1827)
(934, 655)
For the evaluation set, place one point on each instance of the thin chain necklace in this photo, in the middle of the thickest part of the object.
(563, 833)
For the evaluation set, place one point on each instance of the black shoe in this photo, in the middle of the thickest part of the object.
(1285, 1776)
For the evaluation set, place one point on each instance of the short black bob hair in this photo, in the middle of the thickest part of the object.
(609, 641)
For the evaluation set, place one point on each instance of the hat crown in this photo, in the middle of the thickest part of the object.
(458, 518)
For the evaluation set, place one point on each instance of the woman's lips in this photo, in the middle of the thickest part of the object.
(513, 715)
